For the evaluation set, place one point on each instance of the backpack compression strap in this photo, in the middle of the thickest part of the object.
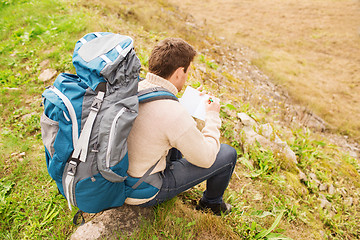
(156, 93)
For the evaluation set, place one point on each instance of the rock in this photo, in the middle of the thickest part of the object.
(323, 187)
(47, 75)
(252, 137)
(313, 176)
(22, 154)
(314, 179)
(289, 154)
(257, 197)
(246, 119)
(27, 116)
(44, 63)
(17, 154)
(331, 189)
(9, 88)
(349, 201)
(324, 203)
(202, 69)
(265, 136)
(266, 130)
(302, 176)
(315, 122)
(113, 223)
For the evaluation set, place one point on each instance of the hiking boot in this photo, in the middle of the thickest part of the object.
(216, 208)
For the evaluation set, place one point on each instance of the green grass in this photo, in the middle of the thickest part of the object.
(32, 31)
(269, 199)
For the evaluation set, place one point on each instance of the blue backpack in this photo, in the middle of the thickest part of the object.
(87, 119)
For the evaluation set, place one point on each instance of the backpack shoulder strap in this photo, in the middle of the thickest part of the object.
(156, 93)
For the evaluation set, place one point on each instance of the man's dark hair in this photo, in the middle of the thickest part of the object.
(170, 54)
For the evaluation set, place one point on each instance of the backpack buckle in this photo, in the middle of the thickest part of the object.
(72, 168)
(96, 104)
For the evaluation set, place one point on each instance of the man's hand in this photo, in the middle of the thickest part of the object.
(212, 104)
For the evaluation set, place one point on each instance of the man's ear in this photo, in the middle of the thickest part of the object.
(177, 78)
(177, 74)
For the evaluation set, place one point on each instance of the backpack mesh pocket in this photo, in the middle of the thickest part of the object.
(49, 129)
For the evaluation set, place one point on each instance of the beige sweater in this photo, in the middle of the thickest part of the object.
(164, 124)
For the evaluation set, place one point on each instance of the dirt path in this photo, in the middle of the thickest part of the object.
(311, 47)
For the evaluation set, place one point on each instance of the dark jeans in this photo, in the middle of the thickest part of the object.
(181, 175)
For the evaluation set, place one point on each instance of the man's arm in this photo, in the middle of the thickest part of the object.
(201, 148)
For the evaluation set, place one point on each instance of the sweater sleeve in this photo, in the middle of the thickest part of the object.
(200, 147)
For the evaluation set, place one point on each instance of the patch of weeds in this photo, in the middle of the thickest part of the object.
(196, 84)
(166, 224)
(230, 77)
(307, 150)
(5, 188)
(267, 232)
(31, 29)
(29, 215)
(230, 133)
(30, 206)
(23, 123)
(261, 162)
(351, 161)
(248, 223)
(340, 218)
(9, 80)
(209, 63)
(143, 56)
(291, 208)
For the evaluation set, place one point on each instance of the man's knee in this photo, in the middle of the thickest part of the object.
(228, 152)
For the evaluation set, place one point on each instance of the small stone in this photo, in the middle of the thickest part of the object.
(9, 88)
(252, 137)
(331, 189)
(314, 179)
(324, 203)
(257, 197)
(349, 201)
(27, 116)
(313, 176)
(44, 63)
(203, 69)
(302, 175)
(323, 187)
(47, 75)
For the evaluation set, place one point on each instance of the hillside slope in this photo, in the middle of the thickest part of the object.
(309, 47)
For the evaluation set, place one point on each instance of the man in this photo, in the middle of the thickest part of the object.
(165, 125)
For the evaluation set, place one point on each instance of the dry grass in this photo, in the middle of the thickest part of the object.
(310, 47)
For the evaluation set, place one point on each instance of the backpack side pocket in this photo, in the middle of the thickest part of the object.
(49, 130)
